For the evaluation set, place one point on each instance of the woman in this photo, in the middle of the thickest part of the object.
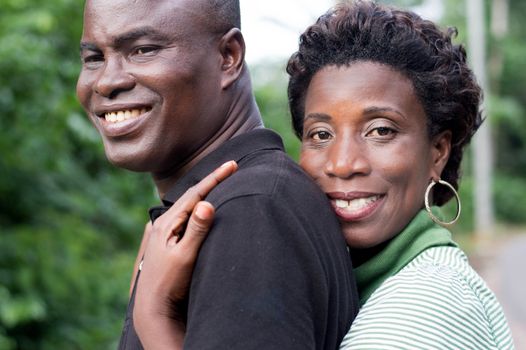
(384, 105)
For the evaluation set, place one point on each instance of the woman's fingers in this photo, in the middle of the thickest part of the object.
(199, 191)
(197, 229)
(144, 242)
(169, 260)
(175, 218)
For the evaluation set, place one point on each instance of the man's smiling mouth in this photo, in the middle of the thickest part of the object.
(119, 116)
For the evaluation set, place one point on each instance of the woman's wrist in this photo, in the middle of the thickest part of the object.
(157, 329)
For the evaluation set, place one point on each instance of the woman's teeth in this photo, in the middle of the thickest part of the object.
(355, 204)
(115, 117)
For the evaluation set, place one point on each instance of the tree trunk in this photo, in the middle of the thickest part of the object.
(482, 145)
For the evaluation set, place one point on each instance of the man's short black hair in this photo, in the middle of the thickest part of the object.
(227, 14)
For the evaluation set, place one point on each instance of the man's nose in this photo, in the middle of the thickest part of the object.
(113, 79)
(347, 158)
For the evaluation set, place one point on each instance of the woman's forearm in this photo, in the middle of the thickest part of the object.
(158, 331)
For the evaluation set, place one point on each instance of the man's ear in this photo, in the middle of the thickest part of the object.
(232, 49)
(440, 151)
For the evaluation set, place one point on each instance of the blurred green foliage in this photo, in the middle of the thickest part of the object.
(270, 85)
(505, 110)
(71, 223)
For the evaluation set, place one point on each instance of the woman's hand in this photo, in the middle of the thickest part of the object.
(140, 254)
(173, 243)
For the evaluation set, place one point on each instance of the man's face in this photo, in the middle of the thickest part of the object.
(150, 81)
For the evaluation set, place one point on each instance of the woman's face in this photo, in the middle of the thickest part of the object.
(365, 143)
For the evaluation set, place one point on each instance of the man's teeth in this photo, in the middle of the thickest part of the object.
(115, 117)
(355, 204)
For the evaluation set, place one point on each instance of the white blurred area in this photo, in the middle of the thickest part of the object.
(272, 27)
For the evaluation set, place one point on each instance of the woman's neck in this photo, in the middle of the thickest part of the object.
(362, 255)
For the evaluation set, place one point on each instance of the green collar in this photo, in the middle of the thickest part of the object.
(420, 234)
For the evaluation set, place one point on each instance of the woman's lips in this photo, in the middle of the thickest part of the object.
(354, 206)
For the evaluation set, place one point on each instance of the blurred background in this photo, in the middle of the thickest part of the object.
(70, 223)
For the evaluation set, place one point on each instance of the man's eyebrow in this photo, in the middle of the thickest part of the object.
(319, 117)
(374, 109)
(88, 46)
(130, 36)
(137, 34)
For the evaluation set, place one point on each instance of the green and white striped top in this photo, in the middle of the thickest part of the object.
(432, 298)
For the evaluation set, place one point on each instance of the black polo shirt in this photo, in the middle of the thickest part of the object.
(274, 271)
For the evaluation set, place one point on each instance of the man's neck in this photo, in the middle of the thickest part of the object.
(243, 116)
(164, 183)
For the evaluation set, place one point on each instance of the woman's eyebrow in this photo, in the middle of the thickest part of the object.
(375, 109)
(319, 117)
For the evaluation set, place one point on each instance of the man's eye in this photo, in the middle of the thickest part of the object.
(93, 58)
(146, 50)
(93, 61)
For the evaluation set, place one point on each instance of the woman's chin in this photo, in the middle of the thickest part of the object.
(355, 240)
(364, 235)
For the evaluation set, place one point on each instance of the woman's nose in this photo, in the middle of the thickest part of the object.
(347, 158)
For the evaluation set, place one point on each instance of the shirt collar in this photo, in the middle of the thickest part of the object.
(236, 149)
(421, 233)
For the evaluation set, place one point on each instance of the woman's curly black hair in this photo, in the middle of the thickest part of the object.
(419, 49)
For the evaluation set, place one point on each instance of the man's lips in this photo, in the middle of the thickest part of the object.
(120, 113)
(354, 206)
(120, 120)
(119, 116)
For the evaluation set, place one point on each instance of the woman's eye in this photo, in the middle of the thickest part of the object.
(321, 136)
(381, 131)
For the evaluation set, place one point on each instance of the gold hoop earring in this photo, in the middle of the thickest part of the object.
(428, 208)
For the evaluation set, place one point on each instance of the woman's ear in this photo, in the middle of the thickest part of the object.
(232, 49)
(441, 149)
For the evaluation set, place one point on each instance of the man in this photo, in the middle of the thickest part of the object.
(165, 84)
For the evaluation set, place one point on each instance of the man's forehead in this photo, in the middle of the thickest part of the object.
(149, 6)
(165, 12)
(173, 17)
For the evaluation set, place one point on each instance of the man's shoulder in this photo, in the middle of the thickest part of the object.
(270, 191)
(269, 173)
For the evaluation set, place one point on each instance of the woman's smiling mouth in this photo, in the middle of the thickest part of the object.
(354, 206)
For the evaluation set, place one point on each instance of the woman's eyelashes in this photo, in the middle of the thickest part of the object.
(317, 136)
(377, 130)
(381, 132)
(382, 129)
(321, 135)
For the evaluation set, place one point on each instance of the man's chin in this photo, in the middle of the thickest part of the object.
(130, 162)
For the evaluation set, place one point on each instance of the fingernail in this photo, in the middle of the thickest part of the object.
(200, 212)
(230, 162)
